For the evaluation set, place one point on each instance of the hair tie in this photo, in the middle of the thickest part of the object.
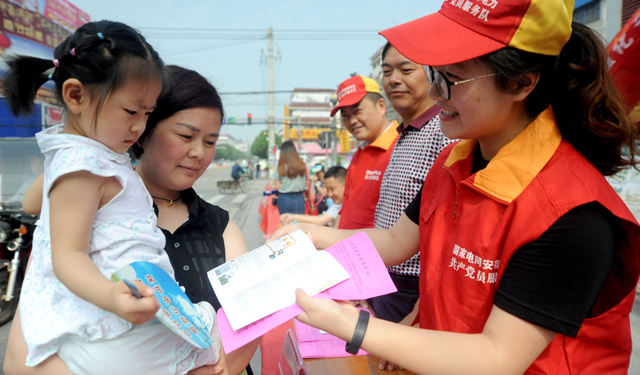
(100, 36)
(73, 51)
(50, 77)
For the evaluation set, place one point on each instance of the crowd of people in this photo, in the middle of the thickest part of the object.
(488, 202)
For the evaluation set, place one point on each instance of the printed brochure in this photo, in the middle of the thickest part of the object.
(176, 310)
(263, 281)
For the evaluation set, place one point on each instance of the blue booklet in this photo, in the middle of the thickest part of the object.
(176, 310)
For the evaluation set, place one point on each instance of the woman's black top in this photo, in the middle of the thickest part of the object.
(197, 246)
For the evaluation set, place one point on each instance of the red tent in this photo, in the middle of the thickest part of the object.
(624, 61)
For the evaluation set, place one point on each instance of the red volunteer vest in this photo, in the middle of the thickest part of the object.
(364, 177)
(471, 225)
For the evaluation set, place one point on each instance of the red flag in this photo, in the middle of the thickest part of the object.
(624, 61)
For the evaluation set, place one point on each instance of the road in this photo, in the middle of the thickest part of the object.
(243, 209)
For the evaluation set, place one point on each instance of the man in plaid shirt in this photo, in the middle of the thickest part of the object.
(418, 146)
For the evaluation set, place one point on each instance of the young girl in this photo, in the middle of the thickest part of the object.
(96, 214)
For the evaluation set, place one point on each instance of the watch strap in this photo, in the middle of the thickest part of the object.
(361, 327)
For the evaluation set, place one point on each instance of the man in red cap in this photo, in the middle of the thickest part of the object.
(363, 109)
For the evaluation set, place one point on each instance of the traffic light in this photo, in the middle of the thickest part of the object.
(324, 139)
(248, 118)
(275, 148)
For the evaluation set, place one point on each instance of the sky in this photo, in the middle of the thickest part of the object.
(224, 41)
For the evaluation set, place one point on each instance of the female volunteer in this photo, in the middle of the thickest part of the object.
(174, 151)
(529, 259)
(290, 180)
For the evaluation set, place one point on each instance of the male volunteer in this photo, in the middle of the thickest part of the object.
(334, 180)
(418, 146)
(363, 109)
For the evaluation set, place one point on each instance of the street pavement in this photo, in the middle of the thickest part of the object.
(243, 209)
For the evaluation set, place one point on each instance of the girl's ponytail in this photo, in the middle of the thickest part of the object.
(587, 107)
(102, 55)
(23, 79)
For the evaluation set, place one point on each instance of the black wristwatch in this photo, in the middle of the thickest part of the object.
(361, 327)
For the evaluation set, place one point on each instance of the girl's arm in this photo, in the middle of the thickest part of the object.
(507, 345)
(395, 245)
(235, 245)
(74, 200)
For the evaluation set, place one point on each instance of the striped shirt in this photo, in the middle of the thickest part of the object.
(417, 148)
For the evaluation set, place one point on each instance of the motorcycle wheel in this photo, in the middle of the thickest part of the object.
(8, 308)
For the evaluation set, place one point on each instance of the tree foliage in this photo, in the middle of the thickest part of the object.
(261, 144)
(228, 152)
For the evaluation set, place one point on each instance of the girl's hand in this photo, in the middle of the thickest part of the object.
(339, 319)
(130, 308)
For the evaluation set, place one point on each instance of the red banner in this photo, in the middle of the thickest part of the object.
(29, 25)
(624, 61)
(65, 13)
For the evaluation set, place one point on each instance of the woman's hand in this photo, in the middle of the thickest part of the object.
(308, 229)
(285, 219)
(339, 319)
(129, 307)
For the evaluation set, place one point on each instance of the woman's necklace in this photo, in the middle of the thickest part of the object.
(168, 200)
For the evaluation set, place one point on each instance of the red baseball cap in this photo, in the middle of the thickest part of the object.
(352, 91)
(465, 29)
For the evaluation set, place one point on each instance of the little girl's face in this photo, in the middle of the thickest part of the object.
(123, 115)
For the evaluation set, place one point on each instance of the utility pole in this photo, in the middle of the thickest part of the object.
(271, 135)
(334, 139)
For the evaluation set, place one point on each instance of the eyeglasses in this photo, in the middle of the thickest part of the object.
(443, 84)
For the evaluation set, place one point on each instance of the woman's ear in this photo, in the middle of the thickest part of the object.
(74, 95)
(524, 92)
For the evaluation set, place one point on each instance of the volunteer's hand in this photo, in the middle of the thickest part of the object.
(285, 218)
(130, 308)
(337, 318)
(308, 229)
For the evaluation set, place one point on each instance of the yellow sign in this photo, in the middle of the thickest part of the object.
(343, 135)
(307, 134)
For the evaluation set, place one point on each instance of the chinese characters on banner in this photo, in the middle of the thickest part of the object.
(35, 28)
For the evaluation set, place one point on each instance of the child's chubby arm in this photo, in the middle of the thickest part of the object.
(74, 200)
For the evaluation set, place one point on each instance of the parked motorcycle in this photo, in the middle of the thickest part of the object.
(16, 233)
(20, 163)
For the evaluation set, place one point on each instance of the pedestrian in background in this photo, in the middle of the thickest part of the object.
(334, 180)
(290, 180)
(318, 184)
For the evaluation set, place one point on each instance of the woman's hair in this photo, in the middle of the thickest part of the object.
(578, 87)
(290, 164)
(183, 89)
(102, 55)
